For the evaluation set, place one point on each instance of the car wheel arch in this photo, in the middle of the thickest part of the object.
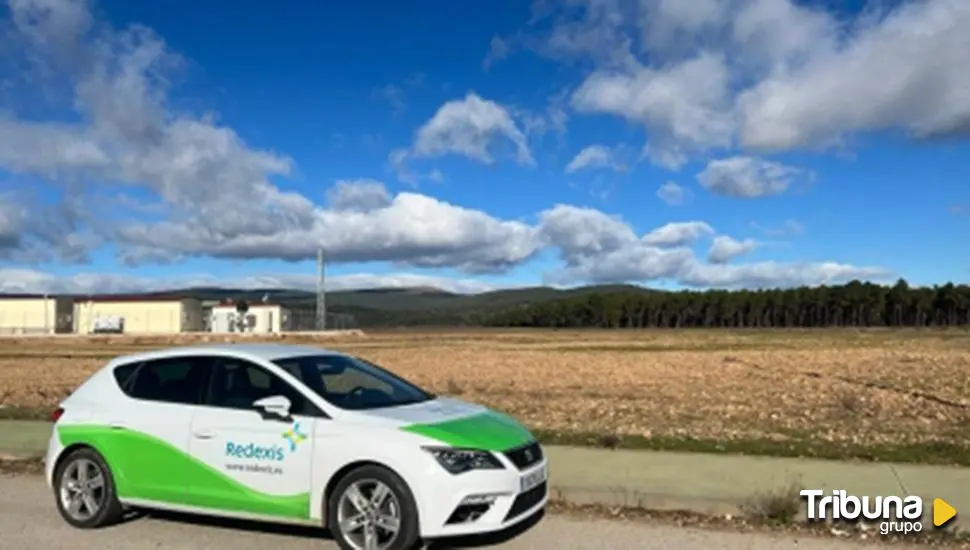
(343, 472)
(68, 451)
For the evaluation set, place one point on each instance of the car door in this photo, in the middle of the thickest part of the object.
(256, 463)
(147, 437)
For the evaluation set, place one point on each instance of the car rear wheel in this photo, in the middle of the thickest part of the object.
(85, 491)
(372, 508)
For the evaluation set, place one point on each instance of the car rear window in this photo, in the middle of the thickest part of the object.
(123, 376)
(171, 380)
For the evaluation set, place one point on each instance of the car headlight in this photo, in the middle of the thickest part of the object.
(458, 461)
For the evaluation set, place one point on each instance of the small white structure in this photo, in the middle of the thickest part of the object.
(108, 324)
(260, 318)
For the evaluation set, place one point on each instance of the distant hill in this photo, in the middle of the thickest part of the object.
(395, 299)
(853, 304)
(398, 306)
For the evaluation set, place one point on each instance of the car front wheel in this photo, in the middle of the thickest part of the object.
(85, 490)
(372, 508)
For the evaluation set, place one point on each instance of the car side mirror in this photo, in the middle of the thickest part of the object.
(274, 406)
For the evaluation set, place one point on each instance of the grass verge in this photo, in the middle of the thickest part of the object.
(924, 453)
(13, 412)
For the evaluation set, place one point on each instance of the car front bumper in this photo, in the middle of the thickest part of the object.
(453, 504)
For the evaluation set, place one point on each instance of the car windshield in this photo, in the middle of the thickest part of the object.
(353, 383)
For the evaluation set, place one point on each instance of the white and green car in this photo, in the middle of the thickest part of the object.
(289, 434)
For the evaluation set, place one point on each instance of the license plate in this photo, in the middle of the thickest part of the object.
(531, 479)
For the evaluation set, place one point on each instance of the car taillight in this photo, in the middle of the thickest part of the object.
(56, 415)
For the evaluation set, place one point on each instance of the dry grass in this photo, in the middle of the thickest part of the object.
(779, 507)
(849, 388)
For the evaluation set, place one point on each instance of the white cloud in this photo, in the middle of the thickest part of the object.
(553, 118)
(362, 195)
(665, 23)
(12, 217)
(596, 247)
(33, 231)
(682, 107)
(725, 248)
(667, 155)
(594, 156)
(498, 49)
(218, 189)
(712, 75)
(678, 233)
(747, 177)
(601, 248)
(579, 231)
(905, 71)
(470, 127)
(474, 128)
(398, 159)
(673, 194)
(412, 228)
(206, 192)
(598, 34)
(634, 263)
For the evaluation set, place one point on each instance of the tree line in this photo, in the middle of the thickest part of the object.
(855, 304)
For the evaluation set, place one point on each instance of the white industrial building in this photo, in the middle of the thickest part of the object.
(137, 315)
(35, 314)
(259, 318)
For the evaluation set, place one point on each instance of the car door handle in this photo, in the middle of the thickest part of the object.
(204, 434)
(117, 425)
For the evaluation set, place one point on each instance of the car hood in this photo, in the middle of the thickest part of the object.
(457, 423)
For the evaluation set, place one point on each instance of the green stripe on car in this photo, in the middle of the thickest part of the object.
(144, 467)
(490, 431)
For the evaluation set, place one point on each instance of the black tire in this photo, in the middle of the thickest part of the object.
(110, 510)
(407, 536)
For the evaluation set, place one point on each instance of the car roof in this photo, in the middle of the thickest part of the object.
(264, 351)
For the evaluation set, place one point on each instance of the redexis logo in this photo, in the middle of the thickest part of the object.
(294, 436)
(255, 452)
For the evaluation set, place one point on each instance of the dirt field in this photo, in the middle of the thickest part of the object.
(849, 388)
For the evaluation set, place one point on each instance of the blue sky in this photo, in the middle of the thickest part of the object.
(728, 143)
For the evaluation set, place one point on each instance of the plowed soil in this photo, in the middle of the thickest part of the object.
(852, 387)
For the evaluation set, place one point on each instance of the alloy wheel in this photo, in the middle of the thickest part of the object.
(369, 515)
(82, 489)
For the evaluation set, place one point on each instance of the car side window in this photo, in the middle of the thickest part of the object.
(351, 379)
(170, 380)
(124, 375)
(236, 384)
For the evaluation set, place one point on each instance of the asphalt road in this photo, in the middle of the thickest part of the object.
(28, 519)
